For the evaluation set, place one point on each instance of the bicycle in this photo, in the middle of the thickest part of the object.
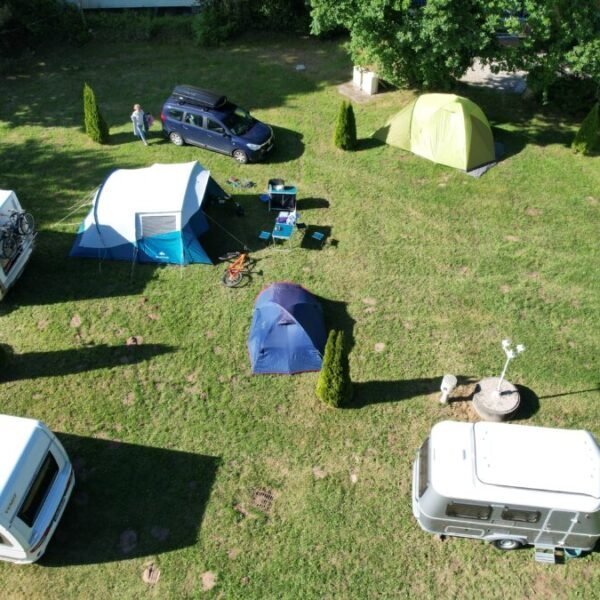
(21, 222)
(240, 268)
(9, 243)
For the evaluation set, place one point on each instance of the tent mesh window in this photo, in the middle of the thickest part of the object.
(157, 224)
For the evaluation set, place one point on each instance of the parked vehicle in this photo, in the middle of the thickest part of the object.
(16, 239)
(510, 485)
(202, 118)
(36, 481)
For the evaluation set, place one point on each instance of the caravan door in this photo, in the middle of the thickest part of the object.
(159, 238)
(558, 526)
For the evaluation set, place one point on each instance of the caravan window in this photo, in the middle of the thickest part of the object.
(423, 467)
(518, 514)
(481, 512)
(38, 490)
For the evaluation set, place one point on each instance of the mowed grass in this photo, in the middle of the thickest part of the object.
(172, 438)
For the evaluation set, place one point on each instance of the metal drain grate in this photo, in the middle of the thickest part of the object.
(263, 500)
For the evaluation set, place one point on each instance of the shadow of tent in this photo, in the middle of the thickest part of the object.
(51, 276)
(378, 392)
(130, 501)
(529, 404)
(310, 241)
(337, 317)
(77, 360)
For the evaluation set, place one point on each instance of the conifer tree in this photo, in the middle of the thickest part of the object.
(587, 139)
(95, 125)
(334, 386)
(345, 128)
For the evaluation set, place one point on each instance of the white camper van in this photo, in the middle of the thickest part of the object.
(511, 485)
(16, 239)
(36, 480)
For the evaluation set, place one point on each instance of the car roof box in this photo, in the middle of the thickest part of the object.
(189, 94)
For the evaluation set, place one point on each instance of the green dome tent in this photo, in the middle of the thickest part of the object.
(447, 129)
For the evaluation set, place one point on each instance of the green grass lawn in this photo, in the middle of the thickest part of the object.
(173, 438)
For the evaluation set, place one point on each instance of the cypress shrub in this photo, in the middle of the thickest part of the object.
(334, 386)
(345, 128)
(587, 139)
(95, 125)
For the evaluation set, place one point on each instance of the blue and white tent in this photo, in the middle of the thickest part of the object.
(152, 214)
(288, 332)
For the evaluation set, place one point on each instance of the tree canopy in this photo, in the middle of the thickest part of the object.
(428, 43)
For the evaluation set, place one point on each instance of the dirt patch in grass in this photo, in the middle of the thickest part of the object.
(262, 499)
(151, 574)
(209, 580)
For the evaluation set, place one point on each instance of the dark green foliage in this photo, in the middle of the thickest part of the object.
(334, 386)
(94, 123)
(345, 127)
(219, 20)
(429, 44)
(587, 139)
(29, 24)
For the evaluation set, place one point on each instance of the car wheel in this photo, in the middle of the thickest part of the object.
(176, 138)
(507, 544)
(240, 156)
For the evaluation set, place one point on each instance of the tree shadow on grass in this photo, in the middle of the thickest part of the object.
(378, 392)
(130, 501)
(368, 144)
(32, 365)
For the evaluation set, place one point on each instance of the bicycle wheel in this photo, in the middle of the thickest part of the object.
(8, 245)
(229, 256)
(232, 279)
(25, 223)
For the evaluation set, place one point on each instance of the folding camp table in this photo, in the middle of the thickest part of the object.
(281, 197)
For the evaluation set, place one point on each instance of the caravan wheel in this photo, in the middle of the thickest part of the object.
(507, 544)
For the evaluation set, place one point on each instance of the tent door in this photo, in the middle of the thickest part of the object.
(158, 237)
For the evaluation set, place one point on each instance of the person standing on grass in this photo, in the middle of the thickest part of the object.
(137, 118)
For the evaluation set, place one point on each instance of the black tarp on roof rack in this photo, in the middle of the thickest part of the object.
(194, 95)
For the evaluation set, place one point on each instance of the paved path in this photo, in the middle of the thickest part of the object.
(481, 75)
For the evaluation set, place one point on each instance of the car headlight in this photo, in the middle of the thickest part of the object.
(253, 146)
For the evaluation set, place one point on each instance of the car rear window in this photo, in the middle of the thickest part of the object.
(41, 484)
(175, 114)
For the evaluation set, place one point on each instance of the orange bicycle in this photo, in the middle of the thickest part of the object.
(240, 267)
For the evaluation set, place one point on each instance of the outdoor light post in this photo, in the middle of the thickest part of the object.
(510, 354)
(495, 398)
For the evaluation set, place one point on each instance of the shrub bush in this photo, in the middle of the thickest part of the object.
(587, 139)
(345, 128)
(334, 386)
(94, 123)
(211, 26)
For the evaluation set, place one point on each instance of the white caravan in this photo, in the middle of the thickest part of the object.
(16, 239)
(511, 485)
(36, 481)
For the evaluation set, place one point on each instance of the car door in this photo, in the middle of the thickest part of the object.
(193, 131)
(217, 137)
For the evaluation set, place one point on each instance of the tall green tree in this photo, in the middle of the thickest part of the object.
(556, 37)
(410, 43)
(429, 43)
(345, 128)
(334, 386)
(587, 139)
(94, 124)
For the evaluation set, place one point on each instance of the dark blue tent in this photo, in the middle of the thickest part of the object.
(288, 331)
